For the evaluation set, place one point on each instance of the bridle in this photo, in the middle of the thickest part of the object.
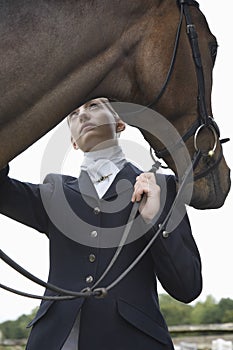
(204, 121)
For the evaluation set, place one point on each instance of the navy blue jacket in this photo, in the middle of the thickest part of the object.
(84, 232)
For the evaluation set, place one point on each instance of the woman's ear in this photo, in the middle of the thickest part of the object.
(120, 125)
(75, 146)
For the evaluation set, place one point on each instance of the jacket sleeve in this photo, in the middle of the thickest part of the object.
(21, 201)
(176, 257)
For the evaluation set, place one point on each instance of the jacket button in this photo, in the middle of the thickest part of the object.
(89, 279)
(165, 234)
(94, 234)
(91, 258)
(96, 210)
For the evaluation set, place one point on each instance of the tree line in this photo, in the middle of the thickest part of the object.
(206, 312)
(175, 313)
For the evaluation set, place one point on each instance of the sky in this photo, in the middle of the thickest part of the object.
(211, 228)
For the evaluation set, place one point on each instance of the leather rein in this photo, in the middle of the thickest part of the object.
(204, 121)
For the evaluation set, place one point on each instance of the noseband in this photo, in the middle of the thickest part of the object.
(204, 121)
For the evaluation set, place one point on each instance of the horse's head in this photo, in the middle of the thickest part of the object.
(182, 81)
(51, 63)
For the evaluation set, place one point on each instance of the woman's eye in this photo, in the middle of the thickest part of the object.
(93, 105)
(74, 116)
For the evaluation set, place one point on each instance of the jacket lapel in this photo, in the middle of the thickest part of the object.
(124, 181)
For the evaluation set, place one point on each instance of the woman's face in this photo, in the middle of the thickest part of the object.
(93, 125)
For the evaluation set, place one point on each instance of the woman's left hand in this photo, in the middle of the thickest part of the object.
(147, 191)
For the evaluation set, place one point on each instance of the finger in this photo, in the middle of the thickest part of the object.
(136, 197)
(146, 177)
(137, 194)
(143, 183)
(140, 190)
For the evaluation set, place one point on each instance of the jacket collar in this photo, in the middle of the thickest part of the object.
(123, 181)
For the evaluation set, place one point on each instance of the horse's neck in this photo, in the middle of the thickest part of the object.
(64, 53)
(56, 38)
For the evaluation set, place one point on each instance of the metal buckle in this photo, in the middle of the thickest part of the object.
(211, 152)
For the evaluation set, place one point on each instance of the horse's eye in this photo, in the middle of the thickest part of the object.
(213, 51)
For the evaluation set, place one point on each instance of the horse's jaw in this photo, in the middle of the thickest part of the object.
(208, 183)
(211, 192)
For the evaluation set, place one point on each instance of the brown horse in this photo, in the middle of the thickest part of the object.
(57, 54)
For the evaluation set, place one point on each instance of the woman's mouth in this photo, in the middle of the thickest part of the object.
(86, 127)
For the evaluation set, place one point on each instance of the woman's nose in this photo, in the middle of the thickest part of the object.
(84, 116)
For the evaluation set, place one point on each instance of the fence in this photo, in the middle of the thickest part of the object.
(203, 337)
(190, 337)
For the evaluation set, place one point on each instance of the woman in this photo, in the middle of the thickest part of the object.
(85, 219)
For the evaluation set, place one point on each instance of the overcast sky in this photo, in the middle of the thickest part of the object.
(212, 229)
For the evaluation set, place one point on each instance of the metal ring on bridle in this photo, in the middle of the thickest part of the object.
(211, 152)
